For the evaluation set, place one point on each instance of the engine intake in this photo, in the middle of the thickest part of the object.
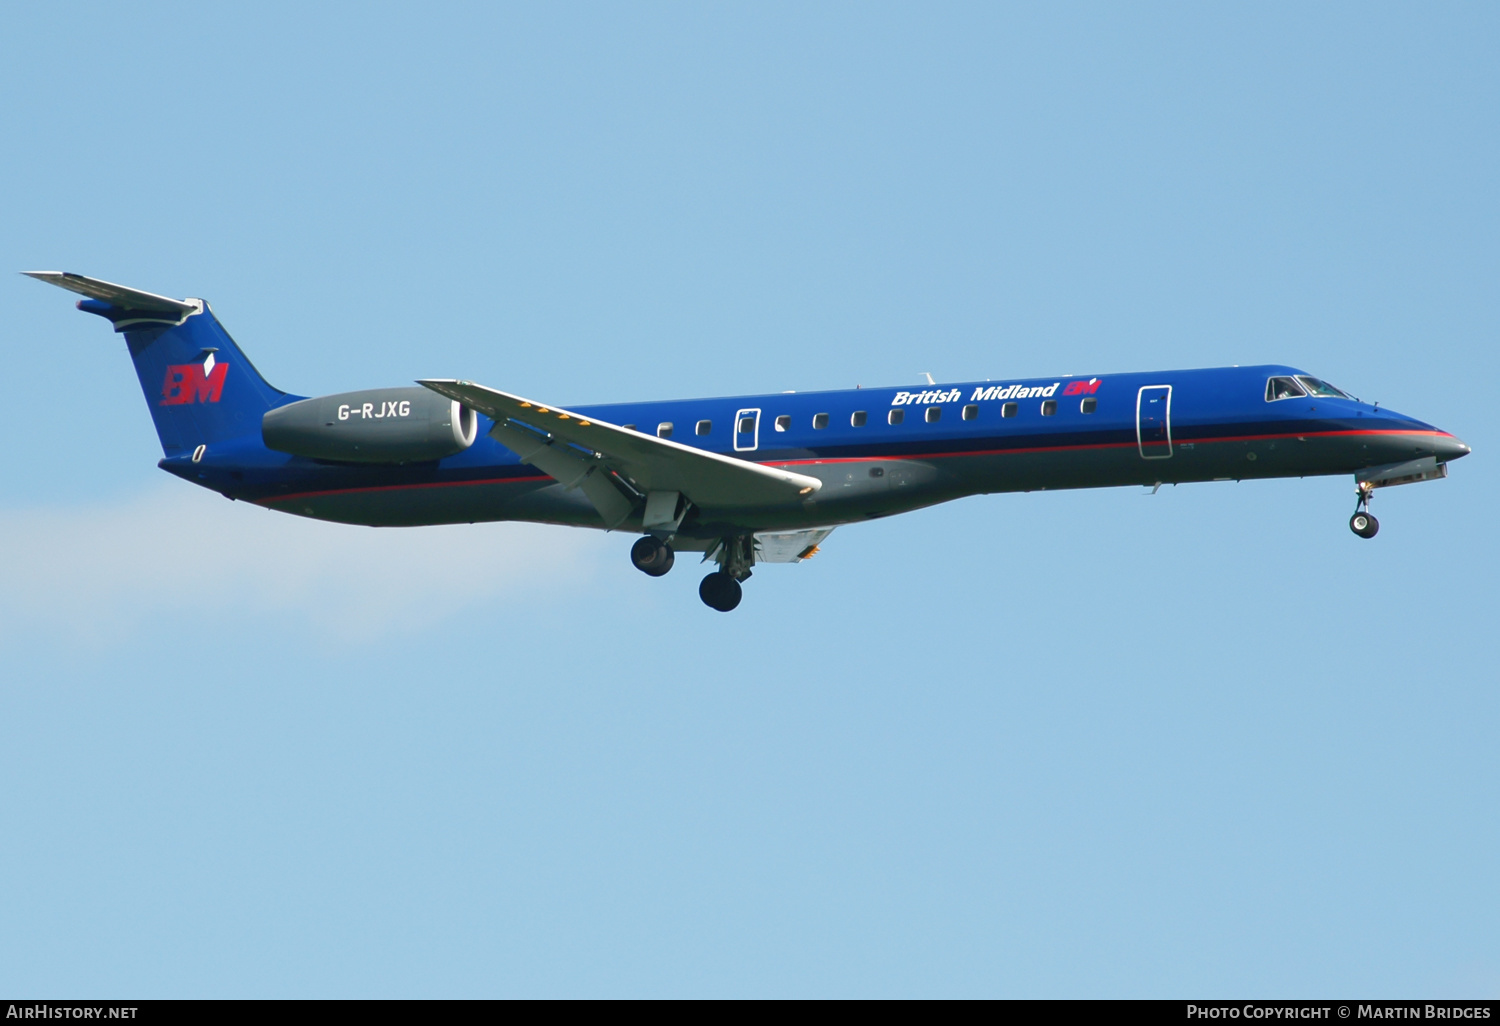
(378, 425)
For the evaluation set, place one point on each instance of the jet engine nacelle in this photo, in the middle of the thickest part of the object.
(379, 425)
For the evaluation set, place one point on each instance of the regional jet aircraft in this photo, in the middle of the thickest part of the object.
(756, 479)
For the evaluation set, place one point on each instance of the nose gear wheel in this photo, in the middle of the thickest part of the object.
(1363, 523)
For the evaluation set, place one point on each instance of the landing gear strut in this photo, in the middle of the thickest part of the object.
(721, 589)
(652, 556)
(1363, 523)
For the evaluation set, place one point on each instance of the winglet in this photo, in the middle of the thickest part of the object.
(118, 295)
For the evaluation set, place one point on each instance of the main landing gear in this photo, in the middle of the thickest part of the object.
(721, 589)
(1363, 523)
(652, 556)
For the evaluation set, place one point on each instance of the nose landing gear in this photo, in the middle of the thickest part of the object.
(652, 556)
(1363, 523)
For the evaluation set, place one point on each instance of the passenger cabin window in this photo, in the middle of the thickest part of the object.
(704, 427)
(971, 412)
(820, 421)
(747, 426)
(628, 427)
(1010, 409)
(895, 417)
(783, 422)
(1315, 386)
(1088, 405)
(664, 429)
(934, 414)
(857, 418)
(1283, 388)
(1049, 407)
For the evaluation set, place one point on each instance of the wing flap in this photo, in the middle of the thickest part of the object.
(709, 480)
(569, 468)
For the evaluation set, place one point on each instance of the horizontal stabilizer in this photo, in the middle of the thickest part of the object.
(118, 295)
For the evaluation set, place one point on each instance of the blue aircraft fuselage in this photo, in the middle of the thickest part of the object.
(880, 451)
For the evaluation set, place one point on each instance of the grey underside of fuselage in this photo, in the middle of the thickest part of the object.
(863, 489)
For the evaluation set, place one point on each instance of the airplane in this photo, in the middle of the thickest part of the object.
(742, 480)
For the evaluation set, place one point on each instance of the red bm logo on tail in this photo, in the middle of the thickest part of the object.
(193, 383)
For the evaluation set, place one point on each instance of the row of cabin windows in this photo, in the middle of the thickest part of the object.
(859, 418)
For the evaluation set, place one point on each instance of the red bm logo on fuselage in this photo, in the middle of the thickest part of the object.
(1082, 387)
(193, 383)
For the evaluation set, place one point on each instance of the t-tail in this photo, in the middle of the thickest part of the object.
(198, 384)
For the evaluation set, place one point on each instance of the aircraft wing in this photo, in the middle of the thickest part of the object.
(119, 295)
(574, 449)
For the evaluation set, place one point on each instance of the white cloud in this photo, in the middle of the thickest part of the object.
(91, 574)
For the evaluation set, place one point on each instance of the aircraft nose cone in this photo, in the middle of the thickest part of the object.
(1447, 448)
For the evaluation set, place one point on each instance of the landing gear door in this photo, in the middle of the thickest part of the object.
(746, 430)
(1153, 421)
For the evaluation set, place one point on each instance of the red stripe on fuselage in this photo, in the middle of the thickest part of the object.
(1099, 445)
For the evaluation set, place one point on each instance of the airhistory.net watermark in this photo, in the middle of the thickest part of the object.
(44, 1010)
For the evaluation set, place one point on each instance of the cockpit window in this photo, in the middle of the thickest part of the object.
(1283, 388)
(1316, 387)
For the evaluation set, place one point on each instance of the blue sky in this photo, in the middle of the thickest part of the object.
(1072, 744)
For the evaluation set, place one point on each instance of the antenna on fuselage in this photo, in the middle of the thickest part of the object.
(929, 378)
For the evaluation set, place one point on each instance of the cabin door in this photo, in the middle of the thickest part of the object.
(746, 430)
(1153, 422)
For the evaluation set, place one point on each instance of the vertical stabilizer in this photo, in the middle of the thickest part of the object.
(198, 384)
